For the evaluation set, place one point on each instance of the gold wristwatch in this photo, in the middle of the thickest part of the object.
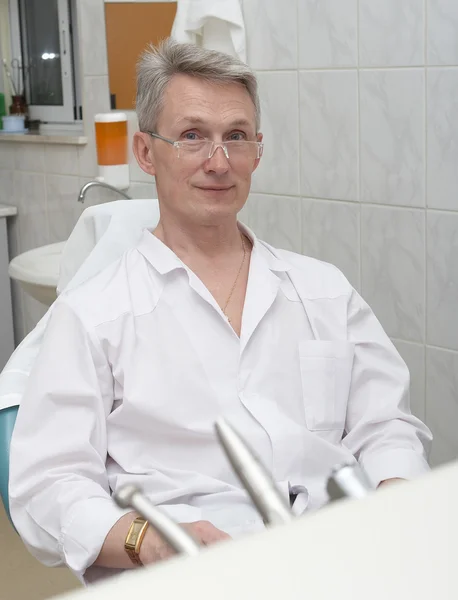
(134, 539)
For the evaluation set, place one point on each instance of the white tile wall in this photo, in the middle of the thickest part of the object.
(442, 32)
(30, 196)
(29, 157)
(442, 136)
(87, 158)
(143, 190)
(33, 312)
(378, 150)
(393, 268)
(7, 186)
(93, 48)
(331, 232)
(328, 128)
(392, 116)
(273, 27)
(442, 287)
(414, 357)
(62, 208)
(391, 33)
(277, 219)
(96, 99)
(62, 160)
(278, 172)
(350, 101)
(7, 155)
(328, 34)
(442, 403)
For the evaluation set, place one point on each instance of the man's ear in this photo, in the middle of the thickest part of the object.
(141, 146)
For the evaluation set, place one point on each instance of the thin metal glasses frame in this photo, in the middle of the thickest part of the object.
(213, 146)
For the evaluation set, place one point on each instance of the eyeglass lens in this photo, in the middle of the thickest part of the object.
(204, 149)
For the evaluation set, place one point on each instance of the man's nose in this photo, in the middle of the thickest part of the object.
(218, 162)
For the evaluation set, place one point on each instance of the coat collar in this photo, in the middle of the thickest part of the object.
(164, 260)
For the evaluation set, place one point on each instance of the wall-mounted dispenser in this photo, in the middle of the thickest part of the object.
(111, 141)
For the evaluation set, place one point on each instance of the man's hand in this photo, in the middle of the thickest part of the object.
(154, 548)
(393, 480)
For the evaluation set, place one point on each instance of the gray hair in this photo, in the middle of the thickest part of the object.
(157, 66)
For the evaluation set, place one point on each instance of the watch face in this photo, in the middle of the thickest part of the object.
(133, 538)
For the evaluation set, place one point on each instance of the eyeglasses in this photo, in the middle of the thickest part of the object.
(234, 150)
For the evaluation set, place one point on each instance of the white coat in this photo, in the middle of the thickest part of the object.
(139, 361)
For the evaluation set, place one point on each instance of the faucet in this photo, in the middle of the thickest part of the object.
(348, 481)
(345, 481)
(90, 184)
(256, 480)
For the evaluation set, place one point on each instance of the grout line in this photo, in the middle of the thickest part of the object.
(424, 345)
(48, 236)
(419, 344)
(358, 37)
(26, 172)
(441, 210)
(297, 33)
(394, 68)
(425, 362)
(360, 213)
(21, 293)
(352, 68)
(358, 155)
(358, 104)
(353, 201)
(57, 174)
(442, 67)
(425, 31)
(299, 126)
(432, 347)
(267, 71)
(45, 172)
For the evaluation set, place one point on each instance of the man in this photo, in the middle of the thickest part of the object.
(200, 320)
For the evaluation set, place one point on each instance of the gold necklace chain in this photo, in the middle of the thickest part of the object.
(236, 279)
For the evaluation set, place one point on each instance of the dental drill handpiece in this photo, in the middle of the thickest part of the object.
(262, 490)
(348, 481)
(129, 496)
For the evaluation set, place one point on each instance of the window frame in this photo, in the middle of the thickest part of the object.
(66, 113)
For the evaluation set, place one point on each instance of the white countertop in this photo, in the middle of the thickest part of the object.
(7, 211)
(38, 138)
(399, 542)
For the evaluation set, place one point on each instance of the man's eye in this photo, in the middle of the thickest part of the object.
(237, 136)
(190, 135)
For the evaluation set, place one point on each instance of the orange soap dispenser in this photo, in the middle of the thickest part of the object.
(111, 142)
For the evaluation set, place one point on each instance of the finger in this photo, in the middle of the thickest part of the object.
(213, 534)
(205, 532)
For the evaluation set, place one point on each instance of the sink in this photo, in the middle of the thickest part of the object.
(38, 271)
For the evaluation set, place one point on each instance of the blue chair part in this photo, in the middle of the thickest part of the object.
(7, 421)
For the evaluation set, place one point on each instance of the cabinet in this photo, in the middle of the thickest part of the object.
(130, 27)
(6, 312)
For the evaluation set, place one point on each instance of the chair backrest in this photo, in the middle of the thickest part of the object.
(7, 421)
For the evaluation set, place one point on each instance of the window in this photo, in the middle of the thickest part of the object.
(43, 41)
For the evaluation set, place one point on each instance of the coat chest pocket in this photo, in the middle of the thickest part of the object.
(326, 368)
